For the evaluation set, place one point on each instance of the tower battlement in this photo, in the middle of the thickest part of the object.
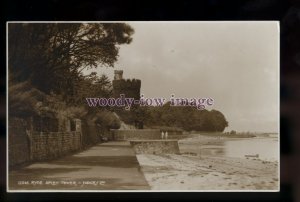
(127, 83)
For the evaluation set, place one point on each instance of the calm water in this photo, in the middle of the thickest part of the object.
(267, 148)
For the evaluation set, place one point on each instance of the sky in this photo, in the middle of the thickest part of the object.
(235, 63)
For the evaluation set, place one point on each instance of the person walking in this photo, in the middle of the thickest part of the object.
(162, 135)
(166, 135)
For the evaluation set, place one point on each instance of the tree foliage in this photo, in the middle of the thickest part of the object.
(185, 117)
(46, 63)
(52, 55)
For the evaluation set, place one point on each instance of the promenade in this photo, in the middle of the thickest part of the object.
(106, 166)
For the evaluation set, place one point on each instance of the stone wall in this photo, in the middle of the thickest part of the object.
(19, 145)
(155, 146)
(50, 145)
(135, 134)
(25, 145)
(170, 133)
(90, 132)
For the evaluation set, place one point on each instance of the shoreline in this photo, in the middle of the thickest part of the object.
(182, 172)
(208, 170)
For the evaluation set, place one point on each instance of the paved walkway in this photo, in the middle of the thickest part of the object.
(107, 166)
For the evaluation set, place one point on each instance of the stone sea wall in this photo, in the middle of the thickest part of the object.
(155, 146)
(136, 134)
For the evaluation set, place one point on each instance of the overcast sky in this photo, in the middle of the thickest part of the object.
(234, 63)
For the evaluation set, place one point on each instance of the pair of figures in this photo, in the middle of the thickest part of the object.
(164, 135)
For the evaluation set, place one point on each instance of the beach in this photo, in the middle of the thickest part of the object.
(203, 165)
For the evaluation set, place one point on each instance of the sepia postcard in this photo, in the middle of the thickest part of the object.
(143, 106)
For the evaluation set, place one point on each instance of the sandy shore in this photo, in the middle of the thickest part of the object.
(199, 171)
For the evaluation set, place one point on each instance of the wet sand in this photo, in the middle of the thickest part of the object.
(207, 169)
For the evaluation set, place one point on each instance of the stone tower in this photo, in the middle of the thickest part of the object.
(130, 87)
(118, 75)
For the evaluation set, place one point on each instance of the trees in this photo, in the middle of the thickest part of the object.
(91, 85)
(219, 120)
(52, 55)
(186, 117)
(46, 63)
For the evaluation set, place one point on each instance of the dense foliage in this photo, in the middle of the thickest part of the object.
(184, 117)
(46, 61)
(52, 56)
